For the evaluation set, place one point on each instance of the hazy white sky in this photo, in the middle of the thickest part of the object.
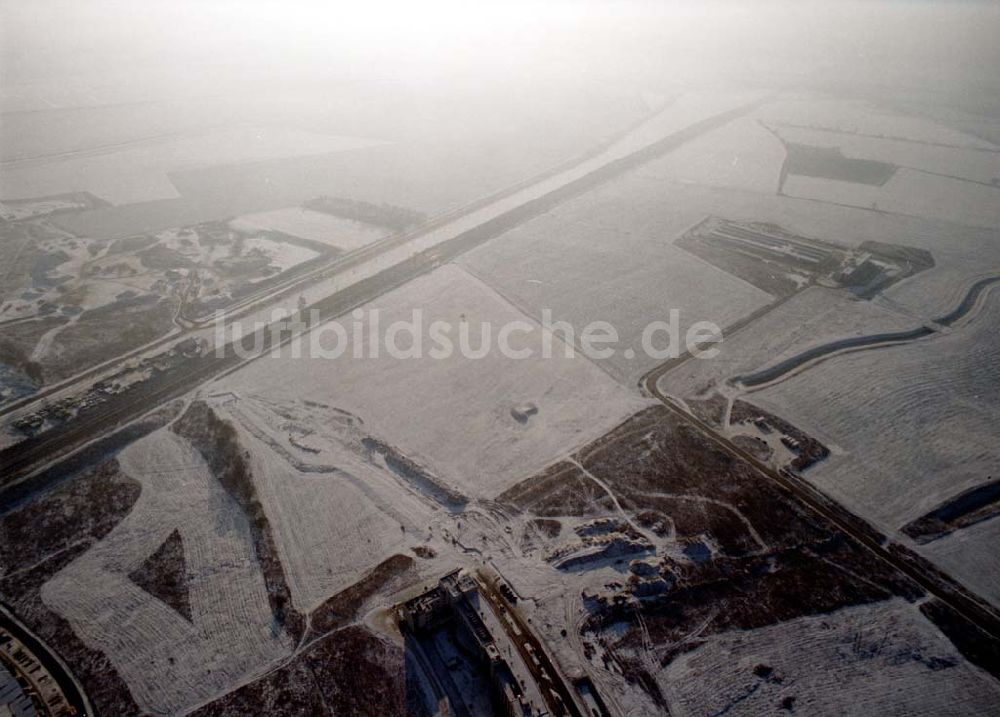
(209, 45)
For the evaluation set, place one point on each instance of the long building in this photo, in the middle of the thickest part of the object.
(454, 600)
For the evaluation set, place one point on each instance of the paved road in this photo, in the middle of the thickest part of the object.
(298, 281)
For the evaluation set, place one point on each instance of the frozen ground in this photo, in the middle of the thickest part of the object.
(441, 146)
(341, 234)
(938, 290)
(454, 415)
(929, 408)
(909, 192)
(971, 555)
(910, 426)
(813, 317)
(609, 256)
(743, 154)
(335, 514)
(884, 659)
(15, 211)
(936, 172)
(140, 171)
(961, 253)
(861, 118)
(975, 164)
(170, 663)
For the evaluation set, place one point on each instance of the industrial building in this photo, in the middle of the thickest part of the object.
(455, 601)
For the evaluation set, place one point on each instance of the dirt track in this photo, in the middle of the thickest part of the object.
(969, 606)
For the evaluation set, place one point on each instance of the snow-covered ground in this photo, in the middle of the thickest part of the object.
(814, 317)
(140, 171)
(909, 192)
(743, 154)
(169, 663)
(910, 425)
(342, 234)
(817, 112)
(884, 659)
(453, 415)
(283, 255)
(970, 554)
(335, 515)
(24, 210)
(928, 407)
(609, 256)
(978, 165)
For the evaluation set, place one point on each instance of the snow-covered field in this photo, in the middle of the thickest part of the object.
(335, 515)
(283, 255)
(979, 165)
(454, 415)
(817, 112)
(938, 290)
(884, 659)
(814, 317)
(743, 154)
(25, 210)
(961, 253)
(169, 663)
(686, 110)
(342, 234)
(140, 171)
(909, 192)
(910, 426)
(943, 173)
(970, 554)
(610, 256)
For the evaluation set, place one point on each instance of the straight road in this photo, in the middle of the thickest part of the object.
(388, 269)
(298, 281)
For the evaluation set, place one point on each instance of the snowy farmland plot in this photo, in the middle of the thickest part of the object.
(341, 234)
(336, 513)
(173, 659)
(456, 416)
(743, 155)
(909, 192)
(607, 257)
(910, 426)
(872, 659)
(927, 170)
(978, 164)
(595, 359)
(813, 317)
(962, 253)
(611, 255)
(864, 119)
(141, 172)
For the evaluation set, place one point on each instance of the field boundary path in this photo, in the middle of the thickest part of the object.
(391, 268)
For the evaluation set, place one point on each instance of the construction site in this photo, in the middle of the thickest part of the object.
(477, 657)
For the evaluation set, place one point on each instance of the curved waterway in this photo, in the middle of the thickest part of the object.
(780, 369)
